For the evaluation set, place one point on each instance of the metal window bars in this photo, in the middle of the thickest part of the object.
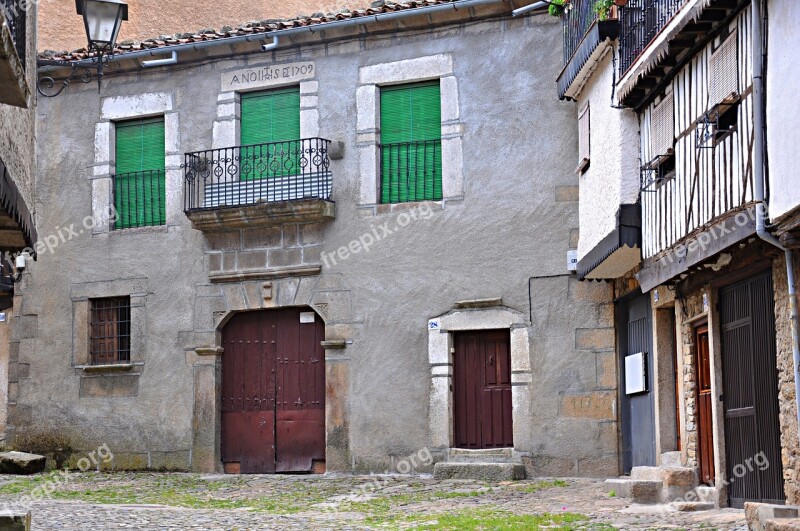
(260, 173)
(140, 199)
(411, 171)
(110, 331)
(576, 23)
(640, 22)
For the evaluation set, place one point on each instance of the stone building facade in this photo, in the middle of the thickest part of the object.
(17, 196)
(711, 279)
(488, 255)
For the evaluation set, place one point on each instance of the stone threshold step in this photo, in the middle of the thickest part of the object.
(479, 471)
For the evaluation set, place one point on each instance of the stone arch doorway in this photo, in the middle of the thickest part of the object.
(273, 392)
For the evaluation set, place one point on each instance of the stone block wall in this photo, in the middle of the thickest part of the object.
(790, 444)
(254, 249)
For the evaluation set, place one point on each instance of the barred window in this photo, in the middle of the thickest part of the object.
(110, 330)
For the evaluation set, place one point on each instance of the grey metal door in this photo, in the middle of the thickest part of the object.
(750, 383)
(637, 411)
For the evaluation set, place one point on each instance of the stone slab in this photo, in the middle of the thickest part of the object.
(21, 463)
(15, 521)
(688, 507)
(479, 471)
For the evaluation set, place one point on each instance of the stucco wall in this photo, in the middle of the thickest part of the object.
(783, 106)
(62, 29)
(17, 126)
(612, 178)
(512, 222)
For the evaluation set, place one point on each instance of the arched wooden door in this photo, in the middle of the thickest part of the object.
(273, 391)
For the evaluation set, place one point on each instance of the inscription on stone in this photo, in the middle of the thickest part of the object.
(266, 76)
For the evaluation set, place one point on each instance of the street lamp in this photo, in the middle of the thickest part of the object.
(101, 19)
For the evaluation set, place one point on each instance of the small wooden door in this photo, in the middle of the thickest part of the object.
(482, 388)
(705, 430)
(750, 381)
(273, 391)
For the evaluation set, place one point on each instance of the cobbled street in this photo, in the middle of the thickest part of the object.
(109, 501)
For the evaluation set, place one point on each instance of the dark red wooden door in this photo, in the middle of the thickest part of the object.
(273, 396)
(482, 388)
(705, 430)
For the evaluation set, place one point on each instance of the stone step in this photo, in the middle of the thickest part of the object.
(646, 492)
(492, 455)
(641, 491)
(688, 507)
(706, 494)
(671, 460)
(479, 471)
(620, 486)
(646, 473)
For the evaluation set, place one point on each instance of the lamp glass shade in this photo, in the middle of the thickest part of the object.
(102, 20)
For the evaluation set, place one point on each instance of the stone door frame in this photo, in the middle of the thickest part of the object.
(329, 302)
(440, 357)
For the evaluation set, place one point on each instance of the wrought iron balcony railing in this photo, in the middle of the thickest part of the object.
(576, 22)
(15, 17)
(140, 199)
(411, 171)
(261, 173)
(640, 22)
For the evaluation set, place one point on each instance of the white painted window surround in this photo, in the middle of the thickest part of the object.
(117, 108)
(370, 79)
(226, 125)
(440, 358)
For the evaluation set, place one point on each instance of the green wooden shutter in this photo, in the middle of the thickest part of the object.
(271, 117)
(411, 143)
(139, 185)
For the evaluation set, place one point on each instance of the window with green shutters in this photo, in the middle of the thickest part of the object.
(273, 118)
(411, 143)
(139, 183)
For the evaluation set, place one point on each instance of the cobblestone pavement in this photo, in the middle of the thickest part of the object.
(111, 501)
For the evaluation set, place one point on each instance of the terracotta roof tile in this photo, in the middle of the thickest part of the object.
(248, 28)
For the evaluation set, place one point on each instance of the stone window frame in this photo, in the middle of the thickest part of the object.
(81, 294)
(440, 357)
(118, 108)
(226, 128)
(370, 80)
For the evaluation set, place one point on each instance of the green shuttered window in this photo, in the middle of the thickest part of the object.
(411, 143)
(271, 117)
(139, 184)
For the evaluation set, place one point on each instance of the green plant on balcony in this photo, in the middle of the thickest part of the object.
(558, 7)
(603, 8)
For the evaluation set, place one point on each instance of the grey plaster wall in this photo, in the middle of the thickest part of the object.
(513, 222)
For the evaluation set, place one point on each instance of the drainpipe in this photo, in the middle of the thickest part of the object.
(162, 62)
(532, 7)
(758, 177)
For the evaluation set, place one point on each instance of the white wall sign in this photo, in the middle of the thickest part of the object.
(635, 374)
(433, 325)
(267, 76)
(306, 317)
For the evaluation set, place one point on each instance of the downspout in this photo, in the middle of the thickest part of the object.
(173, 59)
(532, 7)
(759, 108)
